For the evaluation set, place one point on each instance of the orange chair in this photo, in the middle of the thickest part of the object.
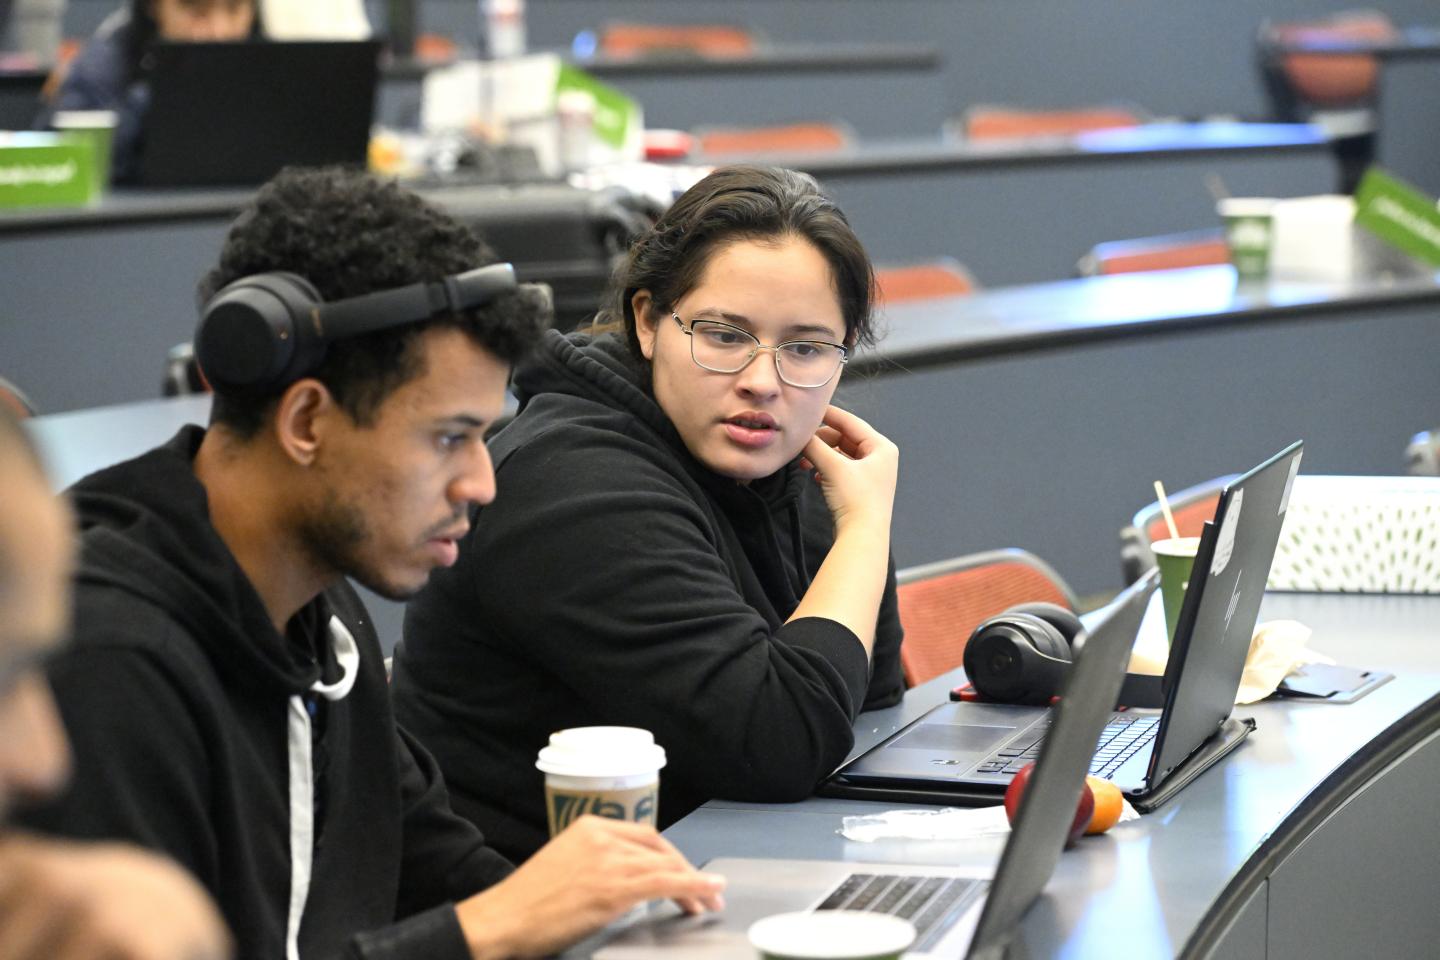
(710, 40)
(924, 281)
(12, 398)
(791, 138)
(1190, 508)
(1307, 81)
(1197, 248)
(942, 603)
(435, 48)
(1014, 123)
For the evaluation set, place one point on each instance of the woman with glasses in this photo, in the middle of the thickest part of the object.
(688, 537)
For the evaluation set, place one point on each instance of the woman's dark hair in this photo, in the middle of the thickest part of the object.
(144, 31)
(741, 203)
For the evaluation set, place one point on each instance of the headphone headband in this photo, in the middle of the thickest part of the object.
(263, 332)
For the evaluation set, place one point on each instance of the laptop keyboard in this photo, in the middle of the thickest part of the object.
(1121, 739)
(932, 904)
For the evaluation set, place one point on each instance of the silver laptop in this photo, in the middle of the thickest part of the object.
(960, 911)
(969, 752)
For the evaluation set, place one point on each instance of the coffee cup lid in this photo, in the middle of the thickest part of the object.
(832, 935)
(601, 752)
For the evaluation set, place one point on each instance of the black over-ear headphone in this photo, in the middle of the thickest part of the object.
(265, 331)
(1024, 654)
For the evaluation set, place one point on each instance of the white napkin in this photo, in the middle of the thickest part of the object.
(1277, 647)
(951, 823)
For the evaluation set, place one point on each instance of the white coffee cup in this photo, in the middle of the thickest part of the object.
(607, 771)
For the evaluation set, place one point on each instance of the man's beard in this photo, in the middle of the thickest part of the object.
(336, 535)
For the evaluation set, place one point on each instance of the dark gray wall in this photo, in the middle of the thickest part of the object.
(1172, 58)
(1055, 450)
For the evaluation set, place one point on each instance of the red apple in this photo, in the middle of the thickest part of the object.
(1084, 810)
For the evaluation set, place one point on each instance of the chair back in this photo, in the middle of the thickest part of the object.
(924, 281)
(942, 603)
(794, 137)
(1196, 248)
(638, 39)
(1360, 535)
(1324, 80)
(1013, 123)
(12, 398)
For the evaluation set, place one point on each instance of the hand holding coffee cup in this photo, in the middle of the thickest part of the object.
(611, 772)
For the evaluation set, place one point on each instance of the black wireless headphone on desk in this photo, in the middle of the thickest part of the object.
(1024, 655)
(265, 331)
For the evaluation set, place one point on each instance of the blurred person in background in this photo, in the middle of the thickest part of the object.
(112, 71)
(61, 900)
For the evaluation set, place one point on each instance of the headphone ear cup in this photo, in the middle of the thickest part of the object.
(1065, 622)
(1017, 658)
(256, 333)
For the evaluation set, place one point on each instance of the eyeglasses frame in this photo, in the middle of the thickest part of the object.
(758, 348)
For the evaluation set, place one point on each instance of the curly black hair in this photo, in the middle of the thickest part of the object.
(349, 234)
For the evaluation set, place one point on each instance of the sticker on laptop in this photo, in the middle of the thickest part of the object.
(1289, 483)
(1225, 543)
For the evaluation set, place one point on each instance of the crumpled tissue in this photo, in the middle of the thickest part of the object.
(1277, 647)
(951, 823)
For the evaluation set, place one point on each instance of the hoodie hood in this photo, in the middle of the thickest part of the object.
(145, 529)
(602, 369)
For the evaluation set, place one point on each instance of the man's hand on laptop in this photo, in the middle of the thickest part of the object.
(591, 873)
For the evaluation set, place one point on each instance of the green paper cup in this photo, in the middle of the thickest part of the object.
(831, 935)
(1175, 558)
(1249, 226)
(96, 128)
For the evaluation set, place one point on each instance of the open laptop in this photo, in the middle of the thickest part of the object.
(959, 911)
(235, 113)
(968, 752)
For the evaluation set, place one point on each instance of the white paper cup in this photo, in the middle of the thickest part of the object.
(831, 935)
(606, 771)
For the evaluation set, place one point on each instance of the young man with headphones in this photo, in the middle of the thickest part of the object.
(226, 693)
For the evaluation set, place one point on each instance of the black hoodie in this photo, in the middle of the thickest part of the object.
(617, 580)
(187, 711)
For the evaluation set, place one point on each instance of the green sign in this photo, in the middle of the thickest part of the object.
(1399, 214)
(615, 113)
(45, 170)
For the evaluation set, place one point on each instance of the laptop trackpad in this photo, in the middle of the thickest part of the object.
(956, 740)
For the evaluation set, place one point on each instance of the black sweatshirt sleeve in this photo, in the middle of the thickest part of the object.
(887, 681)
(140, 771)
(603, 567)
(444, 857)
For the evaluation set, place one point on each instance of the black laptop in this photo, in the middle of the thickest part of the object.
(959, 911)
(235, 113)
(969, 752)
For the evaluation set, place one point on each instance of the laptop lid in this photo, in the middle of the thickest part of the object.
(1217, 619)
(760, 887)
(235, 113)
(1048, 806)
(933, 760)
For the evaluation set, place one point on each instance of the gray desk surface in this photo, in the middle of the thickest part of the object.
(1411, 43)
(1014, 320)
(1154, 140)
(1149, 885)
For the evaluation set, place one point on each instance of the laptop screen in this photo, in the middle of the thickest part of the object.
(1222, 602)
(235, 113)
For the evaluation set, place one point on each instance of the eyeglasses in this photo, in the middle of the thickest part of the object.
(723, 348)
